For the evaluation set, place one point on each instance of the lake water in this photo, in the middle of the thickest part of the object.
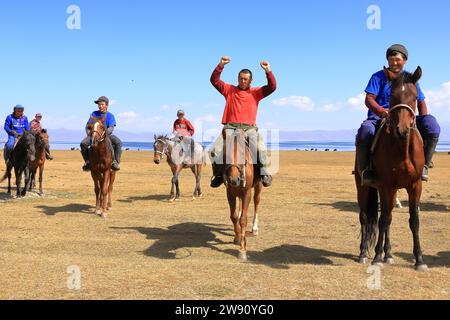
(288, 145)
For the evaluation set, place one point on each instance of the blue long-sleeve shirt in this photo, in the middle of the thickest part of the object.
(18, 125)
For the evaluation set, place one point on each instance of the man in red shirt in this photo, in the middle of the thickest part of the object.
(240, 113)
(36, 126)
(183, 130)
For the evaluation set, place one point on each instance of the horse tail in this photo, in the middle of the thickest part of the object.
(4, 177)
(372, 212)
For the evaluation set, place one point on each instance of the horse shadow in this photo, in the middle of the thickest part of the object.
(352, 206)
(280, 257)
(176, 242)
(343, 206)
(180, 237)
(442, 259)
(155, 197)
(71, 208)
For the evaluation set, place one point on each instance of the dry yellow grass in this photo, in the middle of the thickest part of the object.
(151, 249)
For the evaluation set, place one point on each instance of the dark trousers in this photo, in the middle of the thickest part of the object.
(116, 146)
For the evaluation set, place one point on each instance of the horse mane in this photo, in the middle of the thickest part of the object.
(161, 137)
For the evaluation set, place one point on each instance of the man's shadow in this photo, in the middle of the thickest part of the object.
(180, 236)
(176, 242)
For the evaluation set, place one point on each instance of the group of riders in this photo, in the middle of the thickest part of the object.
(241, 111)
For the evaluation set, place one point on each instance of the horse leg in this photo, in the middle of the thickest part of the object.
(234, 217)
(177, 182)
(414, 194)
(243, 222)
(96, 178)
(386, 197)
(41, 175)
(105, 192)
(9, 169)
(172, 189)
(256, 200)
(388, 258)
(18, 174)
(110, 189)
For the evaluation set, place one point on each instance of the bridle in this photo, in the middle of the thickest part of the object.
(165, 148)
(102, 135)
(404, 106)
(240, 167)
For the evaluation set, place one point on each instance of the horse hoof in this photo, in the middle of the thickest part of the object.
(177, 199)
(242, 255)
(98, 212)
(364, 260)
(109, 208)
(104, 215)
(171, 199)
(255, 232)
(389, 260)
(422, 268)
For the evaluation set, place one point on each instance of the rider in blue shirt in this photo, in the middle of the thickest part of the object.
(110, 124)
(378, 93)
(15, 126)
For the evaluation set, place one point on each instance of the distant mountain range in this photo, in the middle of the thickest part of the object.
(65, 135)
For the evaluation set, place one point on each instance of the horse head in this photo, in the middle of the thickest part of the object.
(97, 130)
(160, 148)
(42, 139)
(403, 101)
(28, 142)
(235, 158)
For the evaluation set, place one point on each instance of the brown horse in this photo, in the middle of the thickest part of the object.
(162, 147)
(100, 159)
(41, 144)
(398, 161)
(240, 178)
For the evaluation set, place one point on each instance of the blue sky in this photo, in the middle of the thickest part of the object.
(152, 57)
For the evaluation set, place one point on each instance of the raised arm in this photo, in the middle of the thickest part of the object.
(271, 81)
(215, 77)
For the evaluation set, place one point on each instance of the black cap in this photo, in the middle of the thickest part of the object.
(397, 48)
(102, 99)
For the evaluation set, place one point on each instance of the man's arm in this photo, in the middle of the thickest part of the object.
(215, 77)
(423, 109)
(7, 127)
(373, 105)
(271, 81)
(190, 127)
(26, 124)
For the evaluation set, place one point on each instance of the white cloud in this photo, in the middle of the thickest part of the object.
(439, 98)
(128, 115)
(211, 118)
(298, 102)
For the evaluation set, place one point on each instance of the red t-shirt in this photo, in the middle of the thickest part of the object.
(241, 105)
(183, 127)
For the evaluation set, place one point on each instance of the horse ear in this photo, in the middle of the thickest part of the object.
(389, 74)
(417, 75)
(154, 136)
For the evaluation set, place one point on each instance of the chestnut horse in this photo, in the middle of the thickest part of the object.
(398, 160)
(100, 159)
(239, 178)
(39, 161)
(164, 147)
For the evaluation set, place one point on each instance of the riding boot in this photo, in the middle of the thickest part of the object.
(117, 156)
(429, 146)
(363, 164)
(266, 178)
(85, 154)
(217, 180)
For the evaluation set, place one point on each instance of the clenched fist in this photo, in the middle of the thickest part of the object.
(266, 66)
(224, 60)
